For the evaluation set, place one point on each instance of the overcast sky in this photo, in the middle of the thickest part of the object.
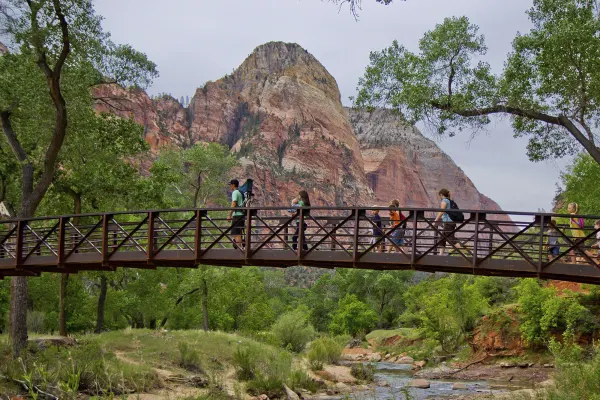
(194, 41)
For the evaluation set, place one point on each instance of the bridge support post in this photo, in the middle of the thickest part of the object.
(106, 218)
(300, 240)
(248, 250)
(416, 216)
(19, 245)
(358, 213)
(60, 256)
(151, 245)
(539, 219)
(198, 236)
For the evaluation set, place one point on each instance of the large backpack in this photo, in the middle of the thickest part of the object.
(246, 191)
(455, 216)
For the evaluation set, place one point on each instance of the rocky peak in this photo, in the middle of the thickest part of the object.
(275, 59)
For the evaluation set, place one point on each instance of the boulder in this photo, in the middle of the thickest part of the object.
(419, 364)
(290, 394)
(548, 365)
(59, 341)
(341, 387)
(405, 360)
(382, 383)
(419, 383)
(263, 397)
(459, 386)
(508, 365)
(387, 356)
(375, 357)
(524, 365)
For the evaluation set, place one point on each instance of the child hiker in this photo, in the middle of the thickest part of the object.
(552, 241)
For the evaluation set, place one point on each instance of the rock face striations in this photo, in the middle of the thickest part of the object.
(281, 112)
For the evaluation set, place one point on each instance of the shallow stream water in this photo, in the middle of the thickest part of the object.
(399, 376)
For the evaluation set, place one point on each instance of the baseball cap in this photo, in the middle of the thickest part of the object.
(234, 182)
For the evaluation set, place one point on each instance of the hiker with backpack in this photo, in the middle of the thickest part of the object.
(236, 215)
(449, 219)
(396, 218)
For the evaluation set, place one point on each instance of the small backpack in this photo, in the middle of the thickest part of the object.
(246, 191)
(455, 216)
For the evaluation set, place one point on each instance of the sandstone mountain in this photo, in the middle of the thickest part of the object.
(281, 112)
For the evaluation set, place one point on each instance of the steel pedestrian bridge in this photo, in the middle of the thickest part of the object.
(487, 242)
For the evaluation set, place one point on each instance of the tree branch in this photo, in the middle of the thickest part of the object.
(561, 120)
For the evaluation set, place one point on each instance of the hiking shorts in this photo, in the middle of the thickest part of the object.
(448, 230)
(554, 250)
(237, 224)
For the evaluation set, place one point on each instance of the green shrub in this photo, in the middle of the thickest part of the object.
(189, 359)
(299, 379)
(363, 372)
(353, 317)
(36, 321)
(576, 381)
(324, 351)
(244, 363)
(293, 330)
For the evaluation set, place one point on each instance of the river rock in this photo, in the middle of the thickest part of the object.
(290, 394)
(548, 365)
(419, 364)
(419, 383)
(382, 383)
(405, 360)
(459, 386)
(508, 365)
(523, 365)
(387, 356)
(341, 387)
(375, 357)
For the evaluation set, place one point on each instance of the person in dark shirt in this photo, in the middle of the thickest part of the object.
(377, 232)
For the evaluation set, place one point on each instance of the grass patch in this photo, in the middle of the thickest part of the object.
(363, 372)
(324, 351)
(382, 334)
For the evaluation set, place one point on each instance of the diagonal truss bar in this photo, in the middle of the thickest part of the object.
(175, 234)
(221, 236)
(84, 238)
(574, 246)
(326, 233)
(8, 235)
(401, 225)
(274, 233)
(510, 241)
(42, 240)
(129, 235)
(330, 233)
(445, 238)
(124, 232)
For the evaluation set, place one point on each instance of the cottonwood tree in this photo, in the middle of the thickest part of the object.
(59, 53)
(550, 86)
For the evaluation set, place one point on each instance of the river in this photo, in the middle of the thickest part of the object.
(399, 376)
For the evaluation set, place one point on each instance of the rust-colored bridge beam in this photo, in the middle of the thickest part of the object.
(486, 243)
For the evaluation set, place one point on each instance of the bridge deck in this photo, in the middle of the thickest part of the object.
(486, 243)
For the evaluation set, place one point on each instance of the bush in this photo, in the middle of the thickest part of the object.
(576, 381)
(352, 317)
(363, 372)
(245, 363)
(189, 359)
(293, 330)
(299, 379)
(36, 321)
(324, 351)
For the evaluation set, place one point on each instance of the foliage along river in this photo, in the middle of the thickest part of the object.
(399, 376)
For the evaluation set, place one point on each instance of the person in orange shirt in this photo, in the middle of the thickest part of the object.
(396, 217)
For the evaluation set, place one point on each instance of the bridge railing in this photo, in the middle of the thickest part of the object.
(486, 242)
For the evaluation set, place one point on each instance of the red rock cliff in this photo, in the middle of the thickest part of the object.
(281, 112)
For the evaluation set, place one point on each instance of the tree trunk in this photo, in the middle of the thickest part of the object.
(18, 313)
(62, 313)
(205, 303)
(64, 278)
(101, 302)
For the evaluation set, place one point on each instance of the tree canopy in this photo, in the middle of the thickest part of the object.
(549, 86)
